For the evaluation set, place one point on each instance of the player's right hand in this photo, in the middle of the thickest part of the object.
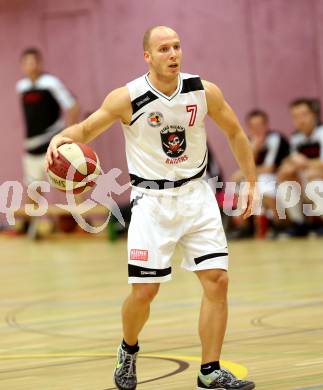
(252, 200)
(52, 152)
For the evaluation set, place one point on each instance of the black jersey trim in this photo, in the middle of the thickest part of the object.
(310, 149)
(192, 84)
(42, 149)
(179, 86)
(134, 120)
(141, 101)
(199, 260)
(206, 153)
(141, 272)
(154, 184)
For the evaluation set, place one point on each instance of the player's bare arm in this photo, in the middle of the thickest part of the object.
(223, 115)
(116, 106)
(72, 114)
(303, 162)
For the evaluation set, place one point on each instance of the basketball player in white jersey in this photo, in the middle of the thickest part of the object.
(162, 115)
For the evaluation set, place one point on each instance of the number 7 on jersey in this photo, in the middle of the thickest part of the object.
(193, 110)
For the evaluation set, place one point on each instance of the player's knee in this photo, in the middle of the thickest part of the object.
(145, 293)
(221, 281)
(216, 286)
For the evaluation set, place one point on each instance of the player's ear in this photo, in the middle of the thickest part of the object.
(147, 56)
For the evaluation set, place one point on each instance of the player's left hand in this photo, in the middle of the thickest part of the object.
(52, 151)
(252, 198)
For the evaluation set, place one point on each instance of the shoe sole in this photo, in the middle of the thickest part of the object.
(247, 387)
(205, 388)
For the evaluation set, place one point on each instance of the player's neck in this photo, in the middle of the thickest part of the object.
(34, 76)
(309, 131)
(165, 85)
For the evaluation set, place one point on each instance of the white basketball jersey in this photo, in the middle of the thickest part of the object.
(166, 139)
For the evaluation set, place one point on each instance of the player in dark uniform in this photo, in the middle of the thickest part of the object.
(43, 99)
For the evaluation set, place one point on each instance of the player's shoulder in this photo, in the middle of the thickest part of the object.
(297, 136)
(213, 93)
(319, 130)
(118, 99)
(186, 76)
(274, 137)
(274, 134)
(48, 80)
(210, 85)
(23, 84)
(120, 93)
(191, 83)
(138, 87)
(118, 103)
(138, 82)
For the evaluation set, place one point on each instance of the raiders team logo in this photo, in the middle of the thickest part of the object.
(155, 119)
(173, 140)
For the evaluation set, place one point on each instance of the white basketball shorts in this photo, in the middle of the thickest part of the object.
(190, 219)
(33, 166)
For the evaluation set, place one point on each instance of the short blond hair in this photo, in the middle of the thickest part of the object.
(147, 35)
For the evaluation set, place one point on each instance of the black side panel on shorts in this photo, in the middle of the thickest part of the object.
(192, 84)
(141, 272)
(199, 260)
(142, 100)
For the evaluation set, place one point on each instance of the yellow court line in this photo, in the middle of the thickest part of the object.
(238, 369)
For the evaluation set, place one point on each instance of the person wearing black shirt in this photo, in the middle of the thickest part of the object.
(44, 99)
(270, 149)
(306, 160)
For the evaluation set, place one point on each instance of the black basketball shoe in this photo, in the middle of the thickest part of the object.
(125, 376)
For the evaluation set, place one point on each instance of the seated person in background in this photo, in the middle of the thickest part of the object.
(306, 160)
(270, 148)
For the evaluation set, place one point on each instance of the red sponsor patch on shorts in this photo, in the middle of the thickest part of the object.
(139, 254)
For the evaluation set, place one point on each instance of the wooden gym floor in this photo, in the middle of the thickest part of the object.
(60, 316)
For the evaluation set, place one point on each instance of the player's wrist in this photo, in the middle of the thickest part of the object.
(252, 181)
